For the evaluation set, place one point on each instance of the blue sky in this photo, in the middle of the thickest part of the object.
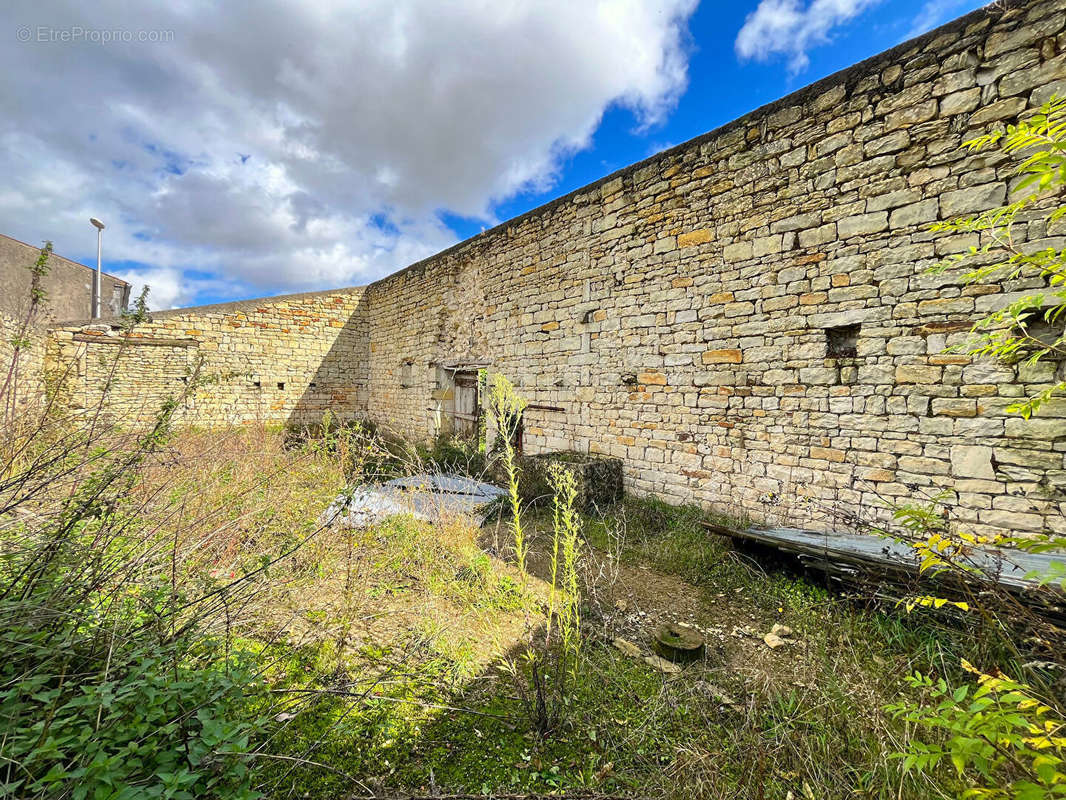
(722, 87)
(233, 161)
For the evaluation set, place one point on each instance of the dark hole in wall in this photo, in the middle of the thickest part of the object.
(281, 384)
(1045, 333)
(257, 385)
(842, 341)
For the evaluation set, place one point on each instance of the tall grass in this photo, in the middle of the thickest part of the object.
(132, 565)
(507, 407)
(112, 682)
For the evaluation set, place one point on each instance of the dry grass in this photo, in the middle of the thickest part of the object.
(407, 580)
(380, 648)
(408, 619)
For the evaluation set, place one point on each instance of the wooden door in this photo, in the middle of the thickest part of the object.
(467, 405)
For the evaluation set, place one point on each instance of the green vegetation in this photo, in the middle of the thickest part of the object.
(227, 646)
(113, 683)
(1004, 738)
(507, 407)
(1018, 245)
(745, 721)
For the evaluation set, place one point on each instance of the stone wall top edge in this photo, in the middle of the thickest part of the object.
(848, 75)
(231, 306)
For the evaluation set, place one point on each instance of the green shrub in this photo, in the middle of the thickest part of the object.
(1004, 740)
(999, 736)
(454, 455)
(113, 682)
(158, 720)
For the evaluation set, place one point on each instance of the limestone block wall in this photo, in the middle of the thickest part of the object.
(281, 359)
(747, 319)
(22, 377)
(67, 287)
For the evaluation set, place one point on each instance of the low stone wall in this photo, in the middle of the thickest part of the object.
(21, 378)
(283, 359)
(67, 289)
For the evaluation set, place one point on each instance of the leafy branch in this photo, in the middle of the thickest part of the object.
(1030, 328)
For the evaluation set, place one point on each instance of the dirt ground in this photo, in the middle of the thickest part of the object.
(631, 601)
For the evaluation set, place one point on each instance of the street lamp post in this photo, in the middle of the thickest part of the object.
(96, 278)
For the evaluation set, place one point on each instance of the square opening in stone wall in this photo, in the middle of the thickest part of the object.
(281, 384)
(842, 341)
(1041, 333)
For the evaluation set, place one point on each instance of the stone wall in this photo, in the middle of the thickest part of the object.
(746, 319)
(68, 296)
(696, 314)
(20, 379)
(281, 359)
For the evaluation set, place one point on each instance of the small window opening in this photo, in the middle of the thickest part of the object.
(257, 385)
(1042, 333)
(281, 384)
(842, 341)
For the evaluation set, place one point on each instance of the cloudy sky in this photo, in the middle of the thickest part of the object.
(241, 149)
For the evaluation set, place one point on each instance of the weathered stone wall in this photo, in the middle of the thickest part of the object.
(680, 312)
(746, 319)
(21, 383)
(281, 359)
(68, 295)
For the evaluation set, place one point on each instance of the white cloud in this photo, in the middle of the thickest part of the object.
(279, 147)
(171, 288)
(790, 28)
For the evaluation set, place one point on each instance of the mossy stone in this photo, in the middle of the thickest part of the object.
(598, 479)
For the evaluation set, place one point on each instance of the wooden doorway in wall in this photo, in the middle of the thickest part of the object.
(467, 412)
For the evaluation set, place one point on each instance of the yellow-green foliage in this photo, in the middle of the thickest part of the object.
(446, 559)
(566, 545)
(1000, 737)
(1010, 333)
(507, 406)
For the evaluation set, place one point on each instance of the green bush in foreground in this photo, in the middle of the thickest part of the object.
(112, 684)
(160, 723)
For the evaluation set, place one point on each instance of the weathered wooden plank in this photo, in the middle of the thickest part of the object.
(134, 341)
(873, 553)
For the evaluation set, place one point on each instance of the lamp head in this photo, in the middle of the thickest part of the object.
(96, 223)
